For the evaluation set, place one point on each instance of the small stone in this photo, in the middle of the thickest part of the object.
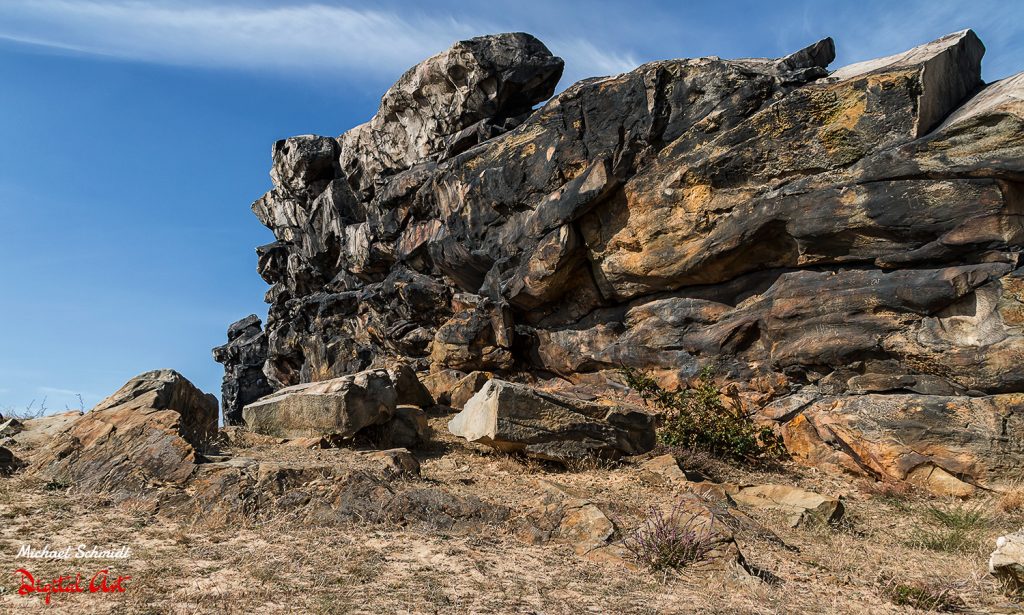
(467, 387)
(10, 427)
(396, 462)
(440, 384)
(408, 428)
(1007, 561)
(9, 463)
(665, 467)
(408, 388)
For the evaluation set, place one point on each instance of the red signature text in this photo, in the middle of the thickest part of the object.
(100, 583)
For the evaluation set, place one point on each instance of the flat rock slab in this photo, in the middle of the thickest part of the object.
(798, 504)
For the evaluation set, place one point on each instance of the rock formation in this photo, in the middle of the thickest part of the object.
(243, 357)
(149, 433)
(852, 238)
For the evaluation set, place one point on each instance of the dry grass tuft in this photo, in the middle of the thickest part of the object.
(1011, 502)
(953, 528)
(670, 542)
(931, 595)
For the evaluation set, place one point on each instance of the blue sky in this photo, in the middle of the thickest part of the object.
(136, 134)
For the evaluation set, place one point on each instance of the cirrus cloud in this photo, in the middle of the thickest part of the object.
(301, 38)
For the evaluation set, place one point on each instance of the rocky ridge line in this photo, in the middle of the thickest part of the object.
(833, 242)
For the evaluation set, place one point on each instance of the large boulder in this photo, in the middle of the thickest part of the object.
(166, 389)
(338, 407)
(518, 418)
(151, 432)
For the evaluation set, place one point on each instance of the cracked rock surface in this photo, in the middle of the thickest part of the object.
(826, 239)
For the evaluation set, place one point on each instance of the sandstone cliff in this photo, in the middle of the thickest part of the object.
(844, 246)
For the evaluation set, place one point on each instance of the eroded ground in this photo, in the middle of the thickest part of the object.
(889, 540)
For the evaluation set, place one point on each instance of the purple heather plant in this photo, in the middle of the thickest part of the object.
(667, 542)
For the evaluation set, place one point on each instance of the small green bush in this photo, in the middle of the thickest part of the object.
(696, 418)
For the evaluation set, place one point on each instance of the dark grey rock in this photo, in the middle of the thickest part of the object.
(243, 358)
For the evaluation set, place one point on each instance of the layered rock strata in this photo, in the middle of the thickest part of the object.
(851, 237)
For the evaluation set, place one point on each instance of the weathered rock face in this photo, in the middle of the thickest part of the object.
(147, 434)
(243, 358)
(515, 417)
(948, 444)
(338, 407)
(858, 232)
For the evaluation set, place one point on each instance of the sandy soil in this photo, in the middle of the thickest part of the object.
(281, 566)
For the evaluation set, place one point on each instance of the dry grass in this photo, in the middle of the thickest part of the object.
(1011, 502)
(281, 565)
(934, 595)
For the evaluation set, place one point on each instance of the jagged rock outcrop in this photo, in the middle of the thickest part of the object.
(148, 434)
(854, 232)
(243, 358)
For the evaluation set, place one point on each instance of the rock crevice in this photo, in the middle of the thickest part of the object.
(838, 234)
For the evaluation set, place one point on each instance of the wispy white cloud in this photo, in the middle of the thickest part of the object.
(583, 55)
(305, 38)
(311, 36)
